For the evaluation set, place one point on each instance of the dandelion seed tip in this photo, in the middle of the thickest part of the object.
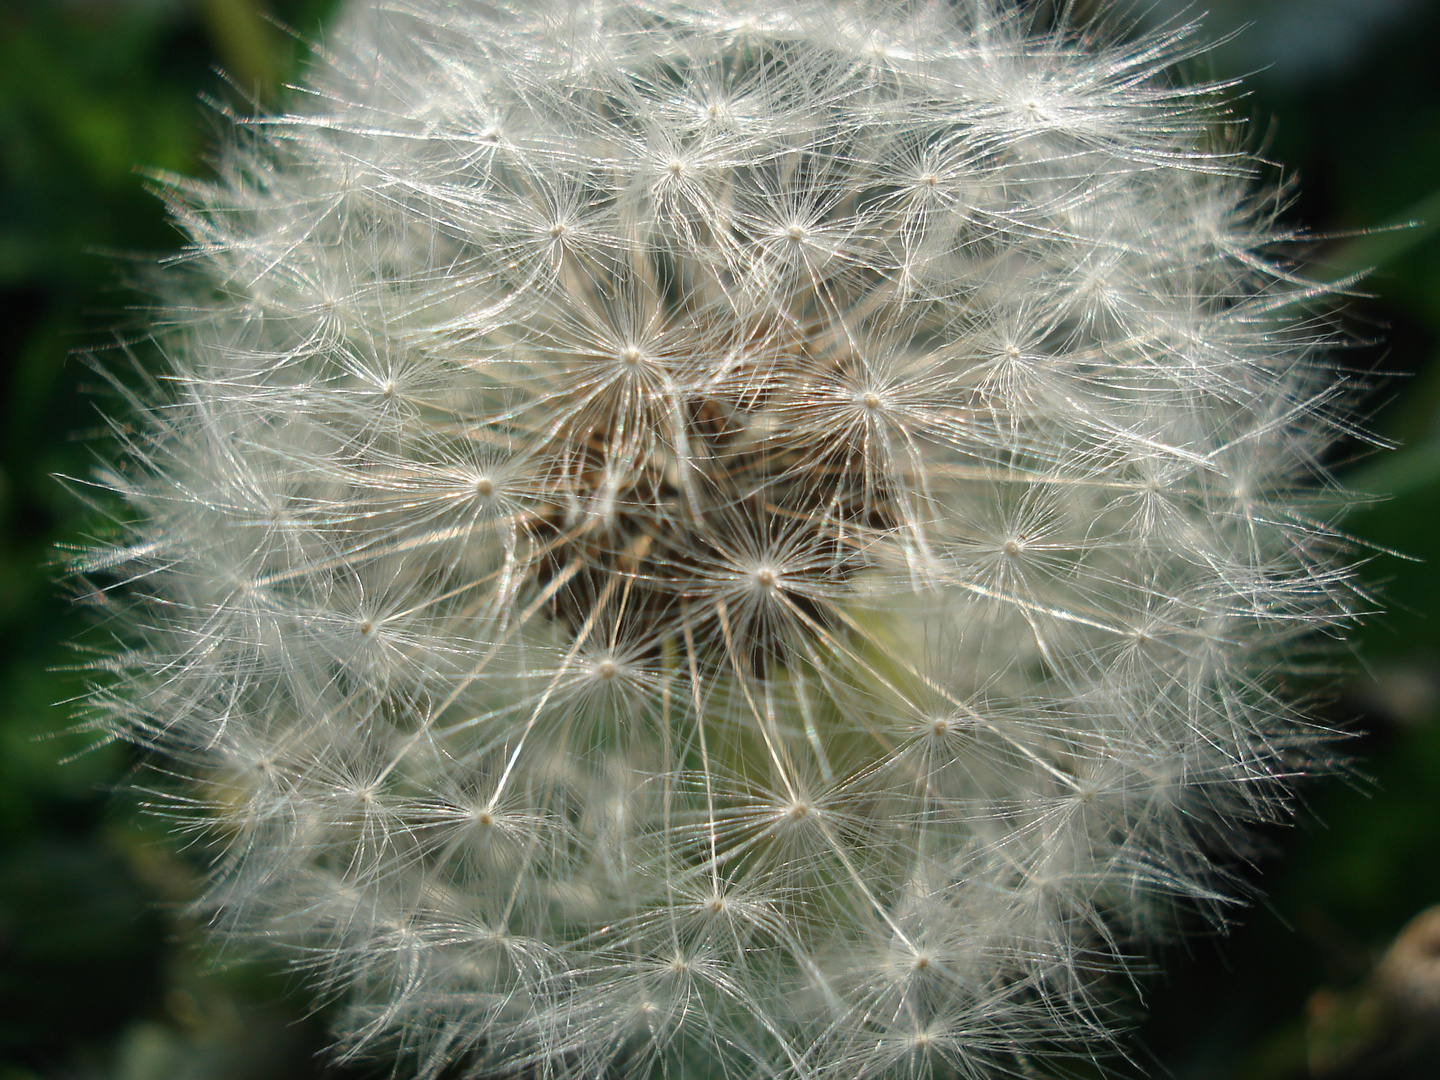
(766, 577)
(606, 669)
(796, 232)
(630, 355)
(484, 487)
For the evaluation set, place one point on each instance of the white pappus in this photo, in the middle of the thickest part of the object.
(727, 538)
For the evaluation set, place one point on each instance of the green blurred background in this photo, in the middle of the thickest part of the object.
(98, 978)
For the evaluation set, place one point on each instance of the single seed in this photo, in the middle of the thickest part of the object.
(483, 487)
(765, 577)
(796, 232)
(870, 400)
(606, 669)
(631, 355)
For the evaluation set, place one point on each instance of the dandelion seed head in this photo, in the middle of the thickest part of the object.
(727, 539)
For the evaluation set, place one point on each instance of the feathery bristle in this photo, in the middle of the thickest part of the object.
(727, 539)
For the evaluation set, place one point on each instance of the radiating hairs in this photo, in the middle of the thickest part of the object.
(762, 539)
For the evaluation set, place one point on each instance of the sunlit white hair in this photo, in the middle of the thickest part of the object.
(723, 538)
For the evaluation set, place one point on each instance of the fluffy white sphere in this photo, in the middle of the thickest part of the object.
(745, 539)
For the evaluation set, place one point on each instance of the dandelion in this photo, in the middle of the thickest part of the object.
(726, 539)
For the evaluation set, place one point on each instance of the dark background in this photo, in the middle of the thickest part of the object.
(98, 978)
